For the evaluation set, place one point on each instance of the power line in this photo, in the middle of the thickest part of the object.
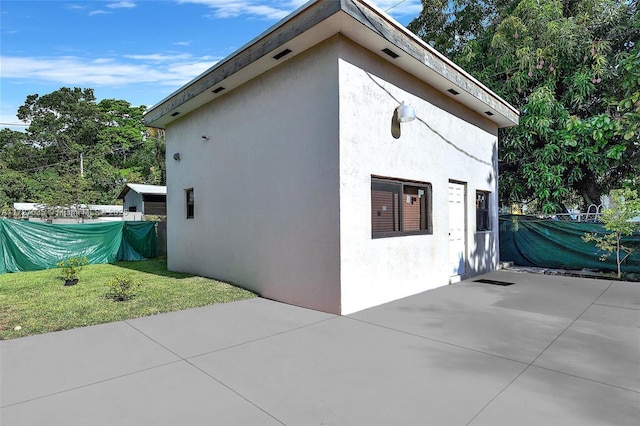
(59, 161)
(47, 166)
(396, 5)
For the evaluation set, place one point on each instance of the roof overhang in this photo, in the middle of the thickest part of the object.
(315, 22)
(142, 189)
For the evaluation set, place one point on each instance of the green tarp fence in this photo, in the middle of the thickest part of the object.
(530, 241)
(31, 246)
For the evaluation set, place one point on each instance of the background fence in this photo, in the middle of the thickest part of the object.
(31, 246)
(548, 243)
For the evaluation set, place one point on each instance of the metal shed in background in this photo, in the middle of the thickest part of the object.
(144, 199)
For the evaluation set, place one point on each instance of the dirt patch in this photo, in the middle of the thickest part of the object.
(582, 273)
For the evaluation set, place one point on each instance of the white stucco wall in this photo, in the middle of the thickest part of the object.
(266, 184)
(374, 271)
(283, 185)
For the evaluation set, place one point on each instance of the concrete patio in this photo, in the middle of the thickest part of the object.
(546, 350)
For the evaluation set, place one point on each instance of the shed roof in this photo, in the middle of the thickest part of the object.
(316, 21)
(143, 189)
(28, 206)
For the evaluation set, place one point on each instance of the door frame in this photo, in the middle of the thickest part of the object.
(458, 277)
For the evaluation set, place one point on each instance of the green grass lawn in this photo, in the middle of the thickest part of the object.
(38, 302)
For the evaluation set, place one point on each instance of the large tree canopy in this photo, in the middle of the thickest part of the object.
(77, 150)
(572, 67)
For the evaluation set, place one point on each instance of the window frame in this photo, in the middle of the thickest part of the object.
(483, 211)
(399, 191)
(189, 203)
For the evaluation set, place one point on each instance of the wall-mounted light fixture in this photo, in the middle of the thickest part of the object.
(405, 113)
(176, 156)
(402, 114)
(205, 137)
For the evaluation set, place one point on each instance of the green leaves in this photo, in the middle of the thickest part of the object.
(571, 70)
(43, 164)
(624, 205)
(72, 266)
(122, 288)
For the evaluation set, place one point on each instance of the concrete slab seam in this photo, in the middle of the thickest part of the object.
(617, 307)
(572, 322)
(204, 372)
(439, 341)
(585, 378)
(258, 339)
(187, 360)
(97, 382)
(540, 354)
(234, 391)
(526, 366)
(151, 338)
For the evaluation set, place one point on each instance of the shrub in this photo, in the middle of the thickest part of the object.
(121, 288)
(71, 267)
(624, 207)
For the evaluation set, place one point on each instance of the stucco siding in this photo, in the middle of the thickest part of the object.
(266, 184)
(446, 142)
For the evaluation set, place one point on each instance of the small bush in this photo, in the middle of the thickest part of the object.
(624, 205)
(121, 288)
(71, 267)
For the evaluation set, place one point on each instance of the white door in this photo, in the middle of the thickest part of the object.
(457, 225)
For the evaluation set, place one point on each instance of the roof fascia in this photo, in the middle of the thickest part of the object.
(301, 20)
(362, 22)
(379, 23)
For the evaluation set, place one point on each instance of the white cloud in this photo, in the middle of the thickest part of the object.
(158, 69)
(278, 9)
(269, 9)
(159, 57)
(121, 5)
(193, 69)
(75, 7)
(98, 12)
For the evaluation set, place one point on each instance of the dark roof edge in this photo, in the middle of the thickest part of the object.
(264, 43)
(310, 15)
(378, 22)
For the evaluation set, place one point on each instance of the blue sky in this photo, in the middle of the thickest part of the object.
(136, 50)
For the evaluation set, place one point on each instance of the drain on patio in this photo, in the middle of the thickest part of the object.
(494, 282)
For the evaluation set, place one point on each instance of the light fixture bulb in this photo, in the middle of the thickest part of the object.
(406, 113)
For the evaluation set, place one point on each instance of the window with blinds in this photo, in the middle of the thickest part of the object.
(400, 207)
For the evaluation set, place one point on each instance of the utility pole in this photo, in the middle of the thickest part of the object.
(79, 207)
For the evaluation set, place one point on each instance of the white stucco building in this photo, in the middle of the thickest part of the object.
(289, 174)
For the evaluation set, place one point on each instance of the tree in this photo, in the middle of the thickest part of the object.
(14, 185)
(43, 164)
(624, 206)
(571, 67)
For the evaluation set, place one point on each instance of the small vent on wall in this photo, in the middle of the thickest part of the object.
(453, 92)
(390, 52)
(218, 90)
(489, 113)
(175, 113)
(281, 54)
